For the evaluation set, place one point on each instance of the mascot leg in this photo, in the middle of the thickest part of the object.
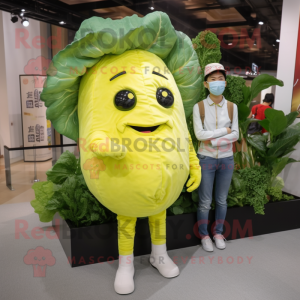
(159, 257)
(124, 283)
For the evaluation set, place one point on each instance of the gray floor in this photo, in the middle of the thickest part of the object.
(273, 271)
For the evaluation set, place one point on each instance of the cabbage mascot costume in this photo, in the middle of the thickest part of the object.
(123, 89)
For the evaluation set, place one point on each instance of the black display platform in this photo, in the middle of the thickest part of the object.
(99, 243)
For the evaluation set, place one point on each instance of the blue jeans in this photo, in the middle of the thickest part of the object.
(218, 171)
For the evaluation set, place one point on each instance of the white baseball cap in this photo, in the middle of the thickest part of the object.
(214, 67)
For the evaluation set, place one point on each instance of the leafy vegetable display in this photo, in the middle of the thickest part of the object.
(186, 203)
(66, 192)
(254, 183)
(234, 89)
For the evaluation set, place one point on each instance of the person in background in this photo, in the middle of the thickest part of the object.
(258, 111)
(216, 135)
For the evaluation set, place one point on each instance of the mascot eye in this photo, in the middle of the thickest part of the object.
(164, 97)
(125, 100)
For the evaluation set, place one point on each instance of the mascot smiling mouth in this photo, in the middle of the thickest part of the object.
(144, 129)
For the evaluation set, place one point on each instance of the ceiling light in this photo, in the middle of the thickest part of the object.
(261, 23)
(62, 22)
(22, 9)
(230, 44)
(278, 40)
(25, 22)
(151, 6)
(21, 14)
(14, 18)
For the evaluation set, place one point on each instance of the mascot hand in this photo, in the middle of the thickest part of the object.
(195, 177)
(116, 154)
(195, 169)
(107, 148)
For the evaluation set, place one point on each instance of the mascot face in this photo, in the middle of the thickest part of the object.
(133, 99)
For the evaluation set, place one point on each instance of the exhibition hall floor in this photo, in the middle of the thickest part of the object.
(264, 267)
(22, 175)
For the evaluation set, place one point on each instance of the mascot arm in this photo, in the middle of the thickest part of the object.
(195, 169)
(103, 146)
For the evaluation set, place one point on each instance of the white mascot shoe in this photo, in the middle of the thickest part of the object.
(124, 283)
(160, 260)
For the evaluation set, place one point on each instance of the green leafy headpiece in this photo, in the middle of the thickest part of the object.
(97, 37)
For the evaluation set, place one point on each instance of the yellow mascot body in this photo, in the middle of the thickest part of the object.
(155, 166)
(123, 89)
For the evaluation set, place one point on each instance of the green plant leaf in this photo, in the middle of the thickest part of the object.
(277, 121)
(258, 142)
(238, 159)
(265, 124)
(184, 66)
(53, 204)
(43, 192)
(244, 125)
(178, 201)
(64, 167)
(263, 82)
(234, 89)
(186, 204)
(278, 182)
(208, 50)
(236, 181)
(243, 112)
(195, 196)
(291, 117)
(247, 95)
(94, 216)
(278, 165)
(177, 210)
(285, 141)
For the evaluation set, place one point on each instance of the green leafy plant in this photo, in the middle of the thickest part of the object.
(66, 192)
(186, 203)
(273, 152)
(43, 193)
(234, 89)
(255, 182)
(247, 158)
(208, 50)
(276, 194)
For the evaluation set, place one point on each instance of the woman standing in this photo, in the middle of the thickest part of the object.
(216, 127)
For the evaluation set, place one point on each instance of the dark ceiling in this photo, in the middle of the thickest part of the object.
(190, 17)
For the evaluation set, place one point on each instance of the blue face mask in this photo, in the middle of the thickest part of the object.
(217, 88)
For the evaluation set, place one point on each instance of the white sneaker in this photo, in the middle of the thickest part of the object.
(219, 241)
(207, 244)
(160, 260)
(124, 283)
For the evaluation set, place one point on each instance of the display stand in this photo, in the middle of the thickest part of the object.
(99, 243)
